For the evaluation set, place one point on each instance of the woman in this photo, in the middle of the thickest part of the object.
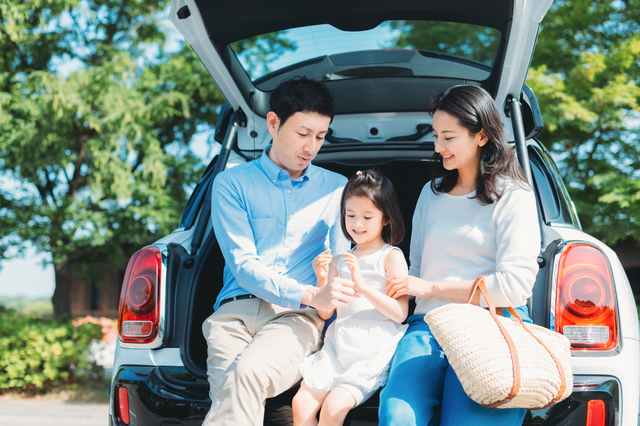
(476, 217)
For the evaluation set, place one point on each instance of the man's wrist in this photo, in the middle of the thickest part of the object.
(308, 295)
(321, 282)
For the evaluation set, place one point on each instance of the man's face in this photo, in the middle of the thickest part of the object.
(297, 141)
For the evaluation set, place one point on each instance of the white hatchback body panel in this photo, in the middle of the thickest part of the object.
(621, 364)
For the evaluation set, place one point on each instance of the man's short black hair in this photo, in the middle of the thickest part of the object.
(299, 94)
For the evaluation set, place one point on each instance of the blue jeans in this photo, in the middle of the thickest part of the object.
(424, 390)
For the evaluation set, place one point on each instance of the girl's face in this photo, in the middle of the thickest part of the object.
(458, 148)
(364, 221)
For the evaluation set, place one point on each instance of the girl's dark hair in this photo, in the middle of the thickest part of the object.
(476, 111)
(378, 188)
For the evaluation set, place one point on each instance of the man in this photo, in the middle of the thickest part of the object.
(272, 217)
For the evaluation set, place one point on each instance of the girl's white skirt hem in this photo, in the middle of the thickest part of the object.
(356, 355)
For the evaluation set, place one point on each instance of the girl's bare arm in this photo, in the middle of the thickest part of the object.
(395, 265)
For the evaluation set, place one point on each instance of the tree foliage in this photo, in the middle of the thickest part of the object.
(40, 354)
(465, 40)
(98, 105)
(586, 76)
(94, 130)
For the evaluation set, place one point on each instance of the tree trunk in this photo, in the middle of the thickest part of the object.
(62, 294)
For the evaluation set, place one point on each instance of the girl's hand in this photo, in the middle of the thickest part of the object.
(407, 285)
(321, 264)
(356, 275)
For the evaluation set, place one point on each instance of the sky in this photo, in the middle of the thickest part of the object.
(26, 277)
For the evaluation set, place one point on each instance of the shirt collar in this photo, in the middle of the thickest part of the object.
(273, 171)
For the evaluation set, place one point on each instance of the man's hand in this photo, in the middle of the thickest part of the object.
(335, 294)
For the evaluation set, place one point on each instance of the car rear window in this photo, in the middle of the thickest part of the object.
(393, 48)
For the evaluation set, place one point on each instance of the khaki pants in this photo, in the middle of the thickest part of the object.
(254, 353)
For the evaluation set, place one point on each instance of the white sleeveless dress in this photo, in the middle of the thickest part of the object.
(359, 344)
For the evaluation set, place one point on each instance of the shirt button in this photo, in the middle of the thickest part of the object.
(288, 191)
(290, 216)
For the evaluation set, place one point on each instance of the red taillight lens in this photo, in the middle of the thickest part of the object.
(123, 406)
(139, 313)
(586, 307)
(596, 413)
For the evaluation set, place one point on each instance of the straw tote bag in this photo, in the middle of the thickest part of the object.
(502, 362)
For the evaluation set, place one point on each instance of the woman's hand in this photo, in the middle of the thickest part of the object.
(408, 285)
(321, 264)
(356, 275)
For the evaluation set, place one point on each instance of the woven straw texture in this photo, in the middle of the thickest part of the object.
(479, 354)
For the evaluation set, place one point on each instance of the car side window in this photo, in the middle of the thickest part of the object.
(197, 197)
(553, 196)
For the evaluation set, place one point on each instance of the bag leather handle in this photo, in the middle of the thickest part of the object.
(480, 285)
(563, 378)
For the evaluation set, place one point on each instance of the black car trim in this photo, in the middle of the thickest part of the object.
(544, 293)
(197, 198)
(531, 115)
(228, 20)
(243, 26)
(421, 131)
(543, 166)
(172, 394)
(223, 157)
(200, 300)
(515, 113)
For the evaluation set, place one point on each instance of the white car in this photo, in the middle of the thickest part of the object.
(383, 62)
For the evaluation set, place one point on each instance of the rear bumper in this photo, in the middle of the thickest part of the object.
(173, 396)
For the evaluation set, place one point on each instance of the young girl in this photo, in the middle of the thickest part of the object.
(354, 361)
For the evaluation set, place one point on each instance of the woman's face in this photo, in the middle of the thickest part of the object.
(458, 148)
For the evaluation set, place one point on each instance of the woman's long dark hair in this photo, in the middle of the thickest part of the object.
(476, 111)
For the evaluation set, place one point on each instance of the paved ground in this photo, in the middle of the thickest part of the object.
(51, 413)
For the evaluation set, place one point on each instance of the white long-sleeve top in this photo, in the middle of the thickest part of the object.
(454, 238)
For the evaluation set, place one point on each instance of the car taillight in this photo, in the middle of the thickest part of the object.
(123, 406)
(139, 313)
(596, 413)
(586, 307)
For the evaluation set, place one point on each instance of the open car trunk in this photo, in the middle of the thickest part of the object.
(408, 177)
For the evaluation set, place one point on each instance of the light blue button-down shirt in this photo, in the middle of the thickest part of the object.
(270, 228)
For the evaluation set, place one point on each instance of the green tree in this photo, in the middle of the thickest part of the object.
(586, 76)
(95, 161)
(465, 40)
